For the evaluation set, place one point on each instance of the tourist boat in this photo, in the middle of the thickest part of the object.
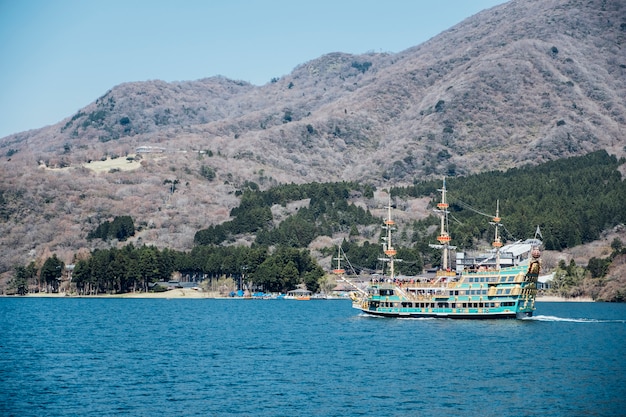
(298, 294)
(483, 290)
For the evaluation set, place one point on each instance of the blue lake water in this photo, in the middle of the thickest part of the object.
(146, 357)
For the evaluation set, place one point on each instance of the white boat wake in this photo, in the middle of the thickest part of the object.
(571, 319)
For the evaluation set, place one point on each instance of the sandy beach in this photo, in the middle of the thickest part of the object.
(176, 293)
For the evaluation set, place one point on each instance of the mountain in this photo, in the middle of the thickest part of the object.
(521, 83)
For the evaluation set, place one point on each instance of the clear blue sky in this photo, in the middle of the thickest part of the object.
(57, 56)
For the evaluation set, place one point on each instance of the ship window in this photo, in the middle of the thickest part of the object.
(507, 291)
(511, 278)
(499, 291)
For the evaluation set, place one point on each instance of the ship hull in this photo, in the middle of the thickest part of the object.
(459, 316)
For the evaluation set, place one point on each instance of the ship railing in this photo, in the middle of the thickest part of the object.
(426, 294)
(441, 274)
(495, 271)
(429, 285)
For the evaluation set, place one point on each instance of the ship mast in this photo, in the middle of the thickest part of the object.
(339, 270)
(388, 248)
(444, 237)
(497, 242)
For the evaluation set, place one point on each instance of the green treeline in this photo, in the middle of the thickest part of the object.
(572, 201)
(46, 278)
(136, 268)
(121, 228)
(328, 212)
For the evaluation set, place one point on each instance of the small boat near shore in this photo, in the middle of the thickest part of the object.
(298, 294)
(479, 291)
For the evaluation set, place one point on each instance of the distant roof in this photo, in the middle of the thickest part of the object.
(299, 291)
(519, 247)
(546, 278)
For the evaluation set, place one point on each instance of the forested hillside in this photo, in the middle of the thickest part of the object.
(571, 200)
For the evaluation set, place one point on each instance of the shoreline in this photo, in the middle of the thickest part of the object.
(187, 293)
(176, 293)
(559, 299)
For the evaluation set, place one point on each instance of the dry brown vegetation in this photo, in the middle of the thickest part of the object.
(524, 82)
